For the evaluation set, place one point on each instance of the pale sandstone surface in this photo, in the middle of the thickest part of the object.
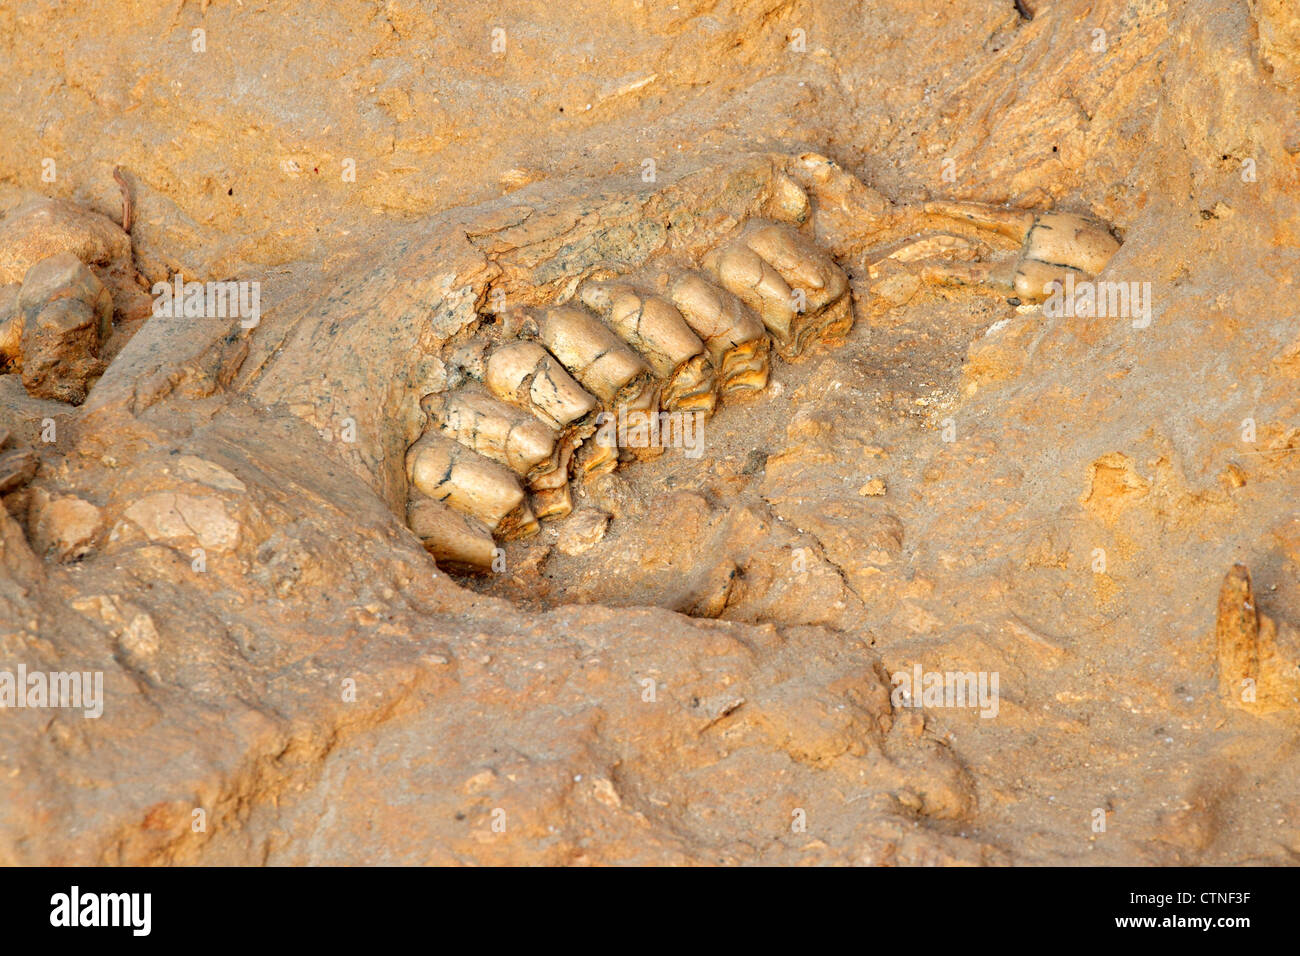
(279, 651)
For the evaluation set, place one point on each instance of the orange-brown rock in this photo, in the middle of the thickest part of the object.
(223, 528)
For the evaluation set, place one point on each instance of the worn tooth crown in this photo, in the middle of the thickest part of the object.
(824, 286)
(526, 375)
(456, 542)
(1059, 238)
(604, 364)
(501, 432)
(446, 471)
(742, 271)
(798, 292)
(593, 353)
(732, 334)
(798, 262)
(657, 331)
(649, 324)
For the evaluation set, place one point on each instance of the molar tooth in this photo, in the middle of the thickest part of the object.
(504, 433)
(828, 304)
(798, 263)
(649, 324)
(457, 542)
(1057, 245)
(603, 363)
(447, 471)
(834, 321)
(743, 271)
(526, 375)
(765, 267)
(655, 328)
(733, 336)
(594, 354)
(1070, 240)
(749, 366)
(639, 410)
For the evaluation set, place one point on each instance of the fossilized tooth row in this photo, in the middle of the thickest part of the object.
(601, 361)
(447, 471)
(734, 337)
(655, 328)
(457, 542)
(766, 266)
